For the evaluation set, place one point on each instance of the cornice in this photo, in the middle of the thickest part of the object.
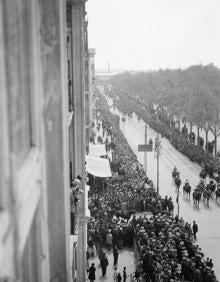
(77, 2)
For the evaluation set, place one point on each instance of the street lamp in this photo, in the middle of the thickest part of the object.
(178, 205)
(146, 147)
(157, 149)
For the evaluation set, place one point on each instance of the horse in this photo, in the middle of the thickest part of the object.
(187, 190)
(206, 196)
(177, 182)
(203, 175)
(217, 194)
(175, 173)
(201, 186)
(211, 186)
(197, 197)
(216, 175)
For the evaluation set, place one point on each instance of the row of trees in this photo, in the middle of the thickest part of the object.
(192, 94)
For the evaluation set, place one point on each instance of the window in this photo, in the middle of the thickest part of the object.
(4, 169)
(19, 158)
(69, 70)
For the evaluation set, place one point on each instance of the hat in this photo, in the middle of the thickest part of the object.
(79, 177)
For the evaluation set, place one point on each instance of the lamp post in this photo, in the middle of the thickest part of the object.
(178, 205)
(157, 149)
(145, 153)
(145, 148)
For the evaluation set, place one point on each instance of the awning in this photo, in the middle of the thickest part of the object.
(97, 150)
(99, 167)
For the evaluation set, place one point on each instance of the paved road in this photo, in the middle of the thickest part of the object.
(208, 219)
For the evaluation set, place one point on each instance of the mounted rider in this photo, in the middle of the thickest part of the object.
(187, 184)
(175, 172)
(187, 188)
(211, 186)
(177, 181)
(201, 186)
(203, 174)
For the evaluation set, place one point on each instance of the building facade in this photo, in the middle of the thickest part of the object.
(43, 80)
(91, 80)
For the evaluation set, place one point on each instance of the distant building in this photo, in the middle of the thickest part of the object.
(43, 119)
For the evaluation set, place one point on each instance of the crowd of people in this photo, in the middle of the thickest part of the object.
(166, 245)
(161, 121)
(168, 250)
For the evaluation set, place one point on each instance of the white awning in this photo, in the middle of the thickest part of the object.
(99, 167)
(97, 150)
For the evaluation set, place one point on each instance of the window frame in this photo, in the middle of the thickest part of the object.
(28, 174)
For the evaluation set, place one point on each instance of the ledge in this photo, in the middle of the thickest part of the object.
(76, 2)
(28, 194)
(27, 174)
(73, 239)
(5, 228)
(69, 117)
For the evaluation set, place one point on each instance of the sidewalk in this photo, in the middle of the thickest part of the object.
(126, 258)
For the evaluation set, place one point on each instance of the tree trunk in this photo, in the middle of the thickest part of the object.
(191, 127)
(206, 140)
(215, 142)
(197, 134)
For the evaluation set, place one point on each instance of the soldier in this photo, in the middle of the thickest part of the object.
(104, 264)
(195, 229)
(115, 254)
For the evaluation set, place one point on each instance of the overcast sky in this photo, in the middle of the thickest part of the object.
(153, 34)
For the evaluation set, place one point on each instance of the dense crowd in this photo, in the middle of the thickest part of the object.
(165, 243)
(161, 121)
(168, 250)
